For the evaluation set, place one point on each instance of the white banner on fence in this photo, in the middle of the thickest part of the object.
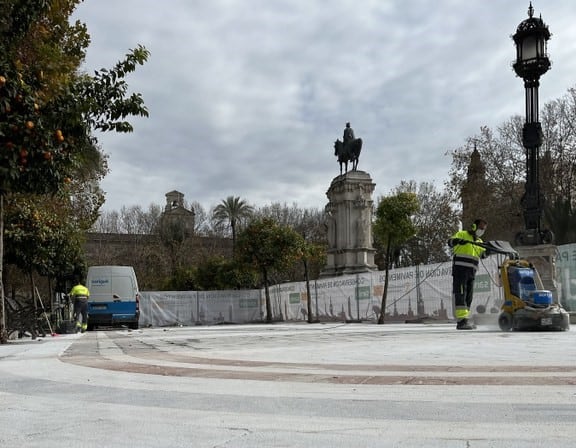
(566, 266)
(413, 292)
(170, 308)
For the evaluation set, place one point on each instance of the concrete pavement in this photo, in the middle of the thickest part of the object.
(291, 385)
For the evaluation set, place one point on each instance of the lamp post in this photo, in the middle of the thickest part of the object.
(532, 62)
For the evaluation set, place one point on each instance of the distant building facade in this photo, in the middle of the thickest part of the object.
(156, 256)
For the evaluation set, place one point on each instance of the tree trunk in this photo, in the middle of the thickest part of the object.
(385, 292)
(233, 226)
(309, 301)
(267, 294)
(3, 330)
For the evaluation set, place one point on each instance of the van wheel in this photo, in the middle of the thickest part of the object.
(133, 326)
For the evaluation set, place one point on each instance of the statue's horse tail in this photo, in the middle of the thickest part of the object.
(357, 148)
(355, 152)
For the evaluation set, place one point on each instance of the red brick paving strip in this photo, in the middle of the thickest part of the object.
(84, 352)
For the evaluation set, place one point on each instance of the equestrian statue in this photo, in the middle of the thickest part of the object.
(348, 150)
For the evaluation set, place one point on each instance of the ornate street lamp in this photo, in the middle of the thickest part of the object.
(532, 62)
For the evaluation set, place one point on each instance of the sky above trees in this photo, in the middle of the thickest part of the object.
(248, 101)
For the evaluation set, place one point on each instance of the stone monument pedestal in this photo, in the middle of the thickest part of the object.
(349, 222)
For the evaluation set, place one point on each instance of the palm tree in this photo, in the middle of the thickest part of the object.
(232, 210)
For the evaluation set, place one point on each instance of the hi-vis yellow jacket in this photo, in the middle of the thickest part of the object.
(466, 255)
(79, 291)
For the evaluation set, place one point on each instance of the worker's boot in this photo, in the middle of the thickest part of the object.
(465, 324)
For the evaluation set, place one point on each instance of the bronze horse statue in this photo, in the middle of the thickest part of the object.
(348, 153)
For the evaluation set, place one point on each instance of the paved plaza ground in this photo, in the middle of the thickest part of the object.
(291, 385)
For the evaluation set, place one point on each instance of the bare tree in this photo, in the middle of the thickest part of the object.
(131, 220)
(201, 219)
(435, 221)
(107, 222)
(487, 179)
(504, 158)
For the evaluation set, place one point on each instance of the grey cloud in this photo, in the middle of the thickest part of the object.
(247, 97)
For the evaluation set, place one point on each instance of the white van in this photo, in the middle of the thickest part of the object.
(114, 296)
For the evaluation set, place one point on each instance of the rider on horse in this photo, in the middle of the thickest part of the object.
(348, 135)
(348, 150)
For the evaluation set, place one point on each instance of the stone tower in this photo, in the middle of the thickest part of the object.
(177, 215)
(174, 199)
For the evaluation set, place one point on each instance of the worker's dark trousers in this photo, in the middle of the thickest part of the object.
(463, 286)
(81, 312)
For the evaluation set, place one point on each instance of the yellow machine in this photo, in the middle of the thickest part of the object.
(527, 305)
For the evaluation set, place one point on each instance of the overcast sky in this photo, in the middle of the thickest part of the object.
(246, 97)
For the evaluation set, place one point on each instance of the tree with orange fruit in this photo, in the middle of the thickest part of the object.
(48, 112)
(268, 246)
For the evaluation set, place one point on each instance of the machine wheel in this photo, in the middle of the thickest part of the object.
(505, 321)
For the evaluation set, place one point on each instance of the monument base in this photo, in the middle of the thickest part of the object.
(349, 214)
(349, 261)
